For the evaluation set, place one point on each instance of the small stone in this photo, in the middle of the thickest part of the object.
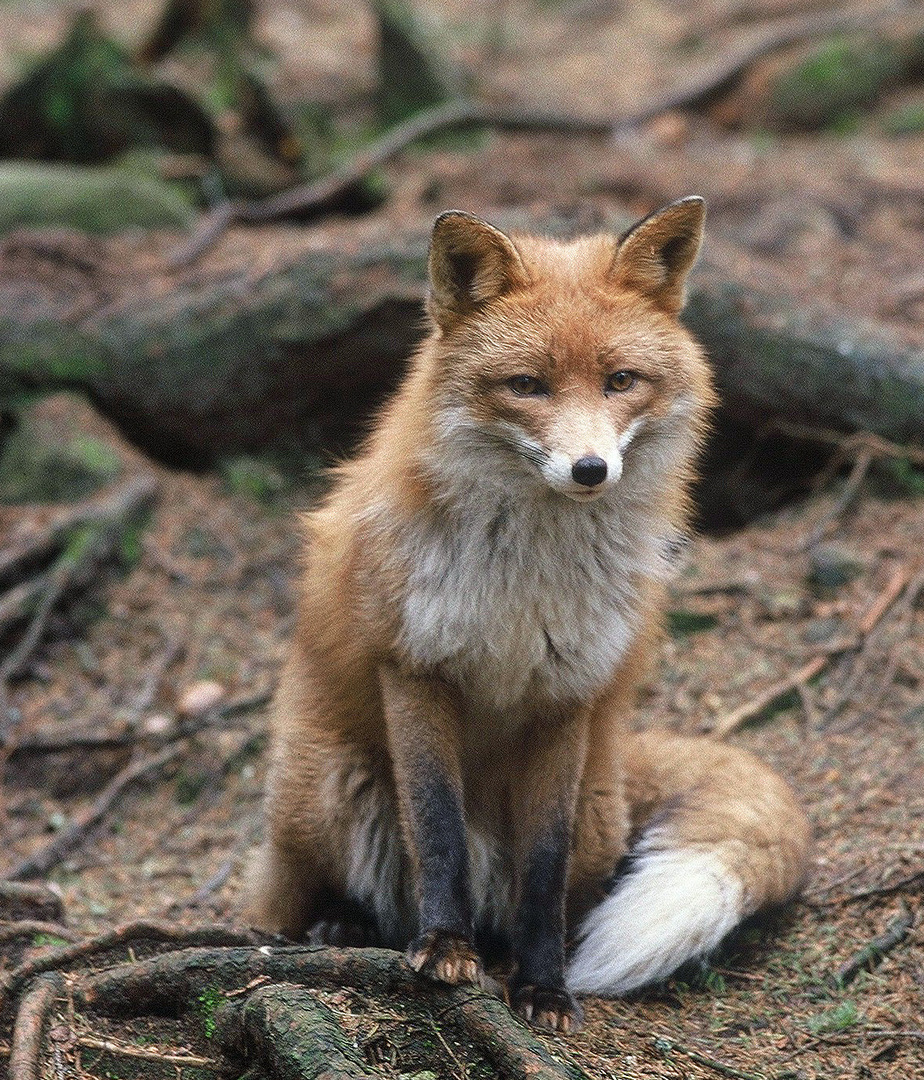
(833, 567)
(821, 630)
(157, 724)
(199, 697)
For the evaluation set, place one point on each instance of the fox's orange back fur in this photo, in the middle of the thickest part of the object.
(463, 553)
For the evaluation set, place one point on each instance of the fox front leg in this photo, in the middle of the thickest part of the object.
(544, 809)
(422, 721)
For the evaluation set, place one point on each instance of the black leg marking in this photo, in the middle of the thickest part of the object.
(443, 949)
(538, 989)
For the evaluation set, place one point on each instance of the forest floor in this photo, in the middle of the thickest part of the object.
(206, 604)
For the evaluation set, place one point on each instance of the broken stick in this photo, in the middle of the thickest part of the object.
(872, 954)
(732, 721)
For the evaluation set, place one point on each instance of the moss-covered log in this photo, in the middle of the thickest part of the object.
(249, 349)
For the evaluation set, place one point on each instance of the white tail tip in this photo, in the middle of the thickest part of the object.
(671, 906)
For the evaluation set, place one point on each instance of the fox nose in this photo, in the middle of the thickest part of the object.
(589, 471)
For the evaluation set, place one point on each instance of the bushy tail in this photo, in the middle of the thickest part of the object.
(720, 836)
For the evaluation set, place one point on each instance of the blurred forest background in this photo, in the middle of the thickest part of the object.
(213, 224)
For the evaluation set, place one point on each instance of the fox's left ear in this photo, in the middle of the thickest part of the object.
(655, 255)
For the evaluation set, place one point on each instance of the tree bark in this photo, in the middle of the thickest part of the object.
(225, 356)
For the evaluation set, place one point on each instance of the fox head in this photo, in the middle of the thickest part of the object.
(559, 362)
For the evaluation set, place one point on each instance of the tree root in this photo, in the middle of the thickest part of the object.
(30, 928)
(19, 900)
(66, 956)
(278, 1010)
(26, 1054)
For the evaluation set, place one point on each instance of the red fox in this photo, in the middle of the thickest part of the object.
(452, 763)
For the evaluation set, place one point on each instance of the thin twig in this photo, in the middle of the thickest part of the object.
(669, 1046)
(19, 899)
(871, 955)
(901, 581)
(213, 884)
(47, 857)
(853, 443)
(735, 719)
(87, 738)
(917, 878)
(465, 113)
(852, 485)
(112, 504)
(88, 542)
(145, 1052)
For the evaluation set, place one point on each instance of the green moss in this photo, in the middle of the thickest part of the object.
(36, 467)
(208, 1002)
(681, 623)
(49, 939)
(839, 77)
(906, 120)
(897, 478)
(92, 199)
(840, 1018)
(253, 478)
(189, 787)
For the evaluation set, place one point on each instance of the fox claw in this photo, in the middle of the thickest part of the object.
(445, 957)
(548, 1008)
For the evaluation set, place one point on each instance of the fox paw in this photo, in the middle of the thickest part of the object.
(342, 933)
(344, 925)
(446, 957)
(545, 1007)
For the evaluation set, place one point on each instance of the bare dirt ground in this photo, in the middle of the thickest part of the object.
(210, 597)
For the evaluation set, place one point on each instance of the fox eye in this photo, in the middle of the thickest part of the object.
(527, 385)
(621, 380)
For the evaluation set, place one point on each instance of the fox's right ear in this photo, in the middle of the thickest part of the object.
(470, 263)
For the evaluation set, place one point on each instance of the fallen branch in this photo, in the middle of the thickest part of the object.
(461, 113)
(735, 719)
(40, 862)
(872, 954)
(26, 1054)
(88, 541)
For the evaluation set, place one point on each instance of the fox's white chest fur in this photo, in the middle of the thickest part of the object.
(525, 600)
